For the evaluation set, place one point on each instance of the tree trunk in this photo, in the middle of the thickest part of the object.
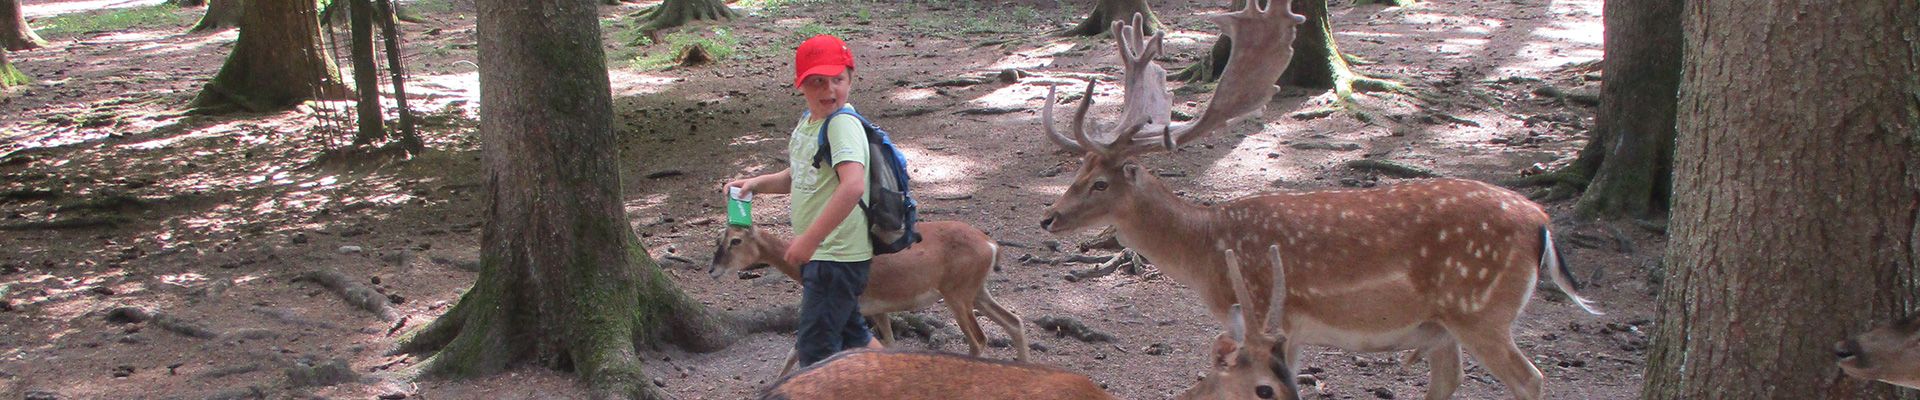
(276, 63)
(15, 35)
(674, 13)
(1794, 221)
(1631, 149)
(10, 76)
(1108, 11)
(1317, 62)
(221, 14)
(187, 3)
(366, 76)
(564, 283)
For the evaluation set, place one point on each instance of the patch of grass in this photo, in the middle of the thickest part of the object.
(150, 17)
(428, 7)
(718, 42)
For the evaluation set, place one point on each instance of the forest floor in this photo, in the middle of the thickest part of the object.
(110, 197)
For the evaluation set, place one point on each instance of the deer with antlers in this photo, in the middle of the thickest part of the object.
(1432, 266)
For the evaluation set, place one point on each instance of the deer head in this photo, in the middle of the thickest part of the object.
(1890, 353)
(1248, 365)
(743, 249)
(1262, 48)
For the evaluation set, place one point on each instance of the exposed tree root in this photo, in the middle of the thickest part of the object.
(1559, 185)
(356, 294)
(675, 13)
(1107, 11)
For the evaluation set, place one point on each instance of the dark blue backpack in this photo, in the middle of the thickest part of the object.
(890, 208)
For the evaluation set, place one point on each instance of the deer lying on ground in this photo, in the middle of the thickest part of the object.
(1431, 266)
(1888, 354)
(1247, 364)
(951, 261)
(909, 374)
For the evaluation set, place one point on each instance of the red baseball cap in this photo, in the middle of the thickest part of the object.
(821, 55)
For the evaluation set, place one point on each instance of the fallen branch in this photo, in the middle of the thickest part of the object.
(1069, 327)
(183, 327)
(1394, 168)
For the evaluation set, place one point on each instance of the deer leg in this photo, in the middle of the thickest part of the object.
(1008, 321)
(884, 324)
(1494, 347)
(963, 316)
(793, 357)
(1444, 372)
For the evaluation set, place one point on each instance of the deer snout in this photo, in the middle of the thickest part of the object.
(1047, 224)
(1847, 350)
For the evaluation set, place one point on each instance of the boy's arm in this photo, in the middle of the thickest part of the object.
(840, 204)
(774, 183)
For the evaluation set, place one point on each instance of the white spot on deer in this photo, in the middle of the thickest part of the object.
(1423, 251)
(1485, 227)
(1483, 273)
(1463, 271)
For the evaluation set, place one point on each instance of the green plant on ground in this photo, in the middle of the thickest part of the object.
(149, 17)
(718, 43)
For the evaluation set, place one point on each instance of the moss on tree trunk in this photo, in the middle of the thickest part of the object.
(1317, 62)
(1108, 11)
(1794, 220)
(10, 76)
(674, 13)
(15, 35)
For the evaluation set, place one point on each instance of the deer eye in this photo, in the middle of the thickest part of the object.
(1099, 185)
(734, 242)
(1264, 391)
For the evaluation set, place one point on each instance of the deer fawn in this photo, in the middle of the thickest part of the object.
(908, 374)
(1247, 364)
(1431, 266)
(951, 261)
(1887, 354)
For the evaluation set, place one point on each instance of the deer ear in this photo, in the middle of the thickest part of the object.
(1223, 349)
(1132, 171)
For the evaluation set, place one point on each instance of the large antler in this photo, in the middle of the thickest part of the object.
(1262, 48)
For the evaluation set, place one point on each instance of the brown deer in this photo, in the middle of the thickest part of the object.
(1888, 354)
(894, 374)
(1247, 364)
(1431, 266)
(951, 261)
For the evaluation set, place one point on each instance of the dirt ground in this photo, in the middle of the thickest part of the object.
(211, 221)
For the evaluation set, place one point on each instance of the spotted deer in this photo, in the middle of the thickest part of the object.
(1888, 354)
(1432, 266)
(950, 262)
(1247, 364)
(894, 374)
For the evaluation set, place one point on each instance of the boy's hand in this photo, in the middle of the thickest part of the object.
(801, 250)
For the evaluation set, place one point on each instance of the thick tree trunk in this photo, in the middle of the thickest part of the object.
(1108, 11)
(674, 13)
(563, 283)
(1631, 149)
(221, 14)
(10, 76)
(1794, 221)
(1317, 62)
(15, 35)
(187, 3)
(276, 63)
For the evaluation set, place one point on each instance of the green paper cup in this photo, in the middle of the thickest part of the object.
(739, 207)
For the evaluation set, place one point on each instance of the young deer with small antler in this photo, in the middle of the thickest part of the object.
(1888, 354)
(951, 261)
(1431, 266)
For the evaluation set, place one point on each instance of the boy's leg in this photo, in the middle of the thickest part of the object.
(825, 304)
(855, 334)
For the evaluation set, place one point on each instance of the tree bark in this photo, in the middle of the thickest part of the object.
(276, 62)
(15, 35)
(366, 75)
(187, 3)
(564, 283)
(1630, 152)
(10, 76)
(221, 14)
(1795, 218)
(674, 13)
(1108, 11)
(1317, 62)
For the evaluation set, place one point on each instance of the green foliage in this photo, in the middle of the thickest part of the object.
(119, 19)
(718, 42)
(810, 30)
(10, 77)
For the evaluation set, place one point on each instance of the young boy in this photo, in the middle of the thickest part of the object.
(830, 242)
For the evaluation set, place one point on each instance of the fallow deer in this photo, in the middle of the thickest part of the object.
(1247, 365)
(951, 261)
(894, 374)
(1888, 354)
(1431, 266)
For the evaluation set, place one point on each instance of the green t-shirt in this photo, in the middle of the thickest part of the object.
(813, 186)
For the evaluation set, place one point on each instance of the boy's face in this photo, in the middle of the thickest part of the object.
(826, 93)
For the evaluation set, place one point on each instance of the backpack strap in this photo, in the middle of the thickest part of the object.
(824, 153)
